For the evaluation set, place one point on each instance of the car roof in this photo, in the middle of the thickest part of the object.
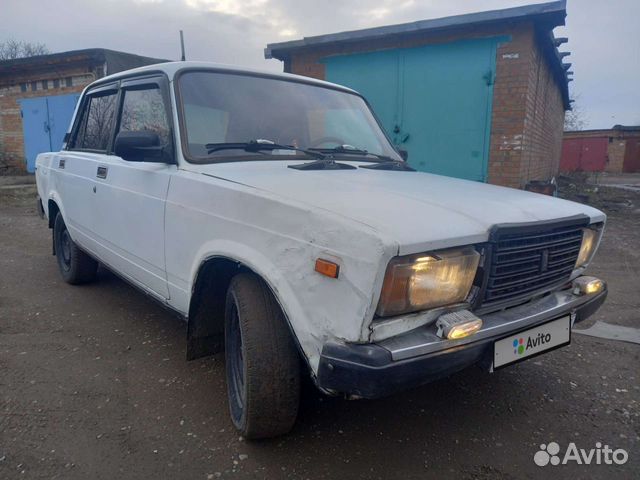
(171, 69)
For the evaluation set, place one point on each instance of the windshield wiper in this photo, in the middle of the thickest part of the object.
(385, 162)
(396, 165)
(323, 164)
(351, 150)
(258, 145)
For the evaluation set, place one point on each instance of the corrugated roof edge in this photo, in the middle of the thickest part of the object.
(552, 14)
(98, 54)
(615, 128)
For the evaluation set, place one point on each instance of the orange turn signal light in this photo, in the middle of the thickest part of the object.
(327, 268)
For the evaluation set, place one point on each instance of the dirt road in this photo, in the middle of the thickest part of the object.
(94, 385)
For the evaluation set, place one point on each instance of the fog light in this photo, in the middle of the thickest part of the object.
(458, 324)
(587, 285)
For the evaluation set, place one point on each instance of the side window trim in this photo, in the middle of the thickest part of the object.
(142, 82)
(139, 83)
(81, 116)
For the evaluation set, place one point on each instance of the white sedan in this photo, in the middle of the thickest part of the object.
(272, 213)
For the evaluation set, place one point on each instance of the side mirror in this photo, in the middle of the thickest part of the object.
(404, 154)
(142, 146)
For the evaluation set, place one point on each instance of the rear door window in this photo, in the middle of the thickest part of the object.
(96, 125)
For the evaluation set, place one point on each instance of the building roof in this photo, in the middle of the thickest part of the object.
(604, 132)
(115, 61)
(546, 16)
(627, 128)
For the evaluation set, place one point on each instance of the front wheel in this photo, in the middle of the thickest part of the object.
(262, 363)
(76, 266)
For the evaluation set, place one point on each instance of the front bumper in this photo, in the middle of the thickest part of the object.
(419, 356)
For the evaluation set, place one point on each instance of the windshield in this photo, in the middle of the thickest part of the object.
(226, 108)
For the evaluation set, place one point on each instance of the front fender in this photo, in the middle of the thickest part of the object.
(282, 279)
(280, 241)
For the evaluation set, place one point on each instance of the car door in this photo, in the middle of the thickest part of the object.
(131, 195)
(74, 168)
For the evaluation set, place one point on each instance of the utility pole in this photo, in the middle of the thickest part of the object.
(182, 45)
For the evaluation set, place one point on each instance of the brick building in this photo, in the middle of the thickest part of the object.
(38, 96)
(479, 96)
(614, 150)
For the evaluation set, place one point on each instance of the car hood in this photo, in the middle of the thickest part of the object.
(419, 211)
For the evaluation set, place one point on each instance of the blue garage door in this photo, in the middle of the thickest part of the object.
(434, 101)
(45, 121)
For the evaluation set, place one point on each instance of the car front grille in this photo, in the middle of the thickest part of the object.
(527, 260)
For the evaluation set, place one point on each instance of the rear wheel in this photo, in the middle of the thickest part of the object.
(262, 364)
(76, 267)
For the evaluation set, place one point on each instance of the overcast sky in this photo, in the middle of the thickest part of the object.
(604, 35)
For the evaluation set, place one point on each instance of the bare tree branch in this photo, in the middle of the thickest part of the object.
(574, 119)
(11, 49)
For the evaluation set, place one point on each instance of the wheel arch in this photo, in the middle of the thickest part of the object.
(205, 329)
(52, 211)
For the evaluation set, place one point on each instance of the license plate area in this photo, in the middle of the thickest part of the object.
(534, 341)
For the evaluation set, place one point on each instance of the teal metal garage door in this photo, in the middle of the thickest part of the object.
(434, 101)
(45, 121)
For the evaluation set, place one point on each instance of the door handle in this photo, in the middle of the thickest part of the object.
(102, 172)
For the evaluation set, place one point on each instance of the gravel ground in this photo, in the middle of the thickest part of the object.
(94, 384)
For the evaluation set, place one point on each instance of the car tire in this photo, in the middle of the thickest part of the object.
(262, 362)
(76, 267)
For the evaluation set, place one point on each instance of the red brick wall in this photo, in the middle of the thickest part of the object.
(527, 117)
(544, 122)
(510, 92)
(12, 159)
(528, 113)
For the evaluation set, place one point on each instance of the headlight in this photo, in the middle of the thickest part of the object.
(419, 282)
(590, 240)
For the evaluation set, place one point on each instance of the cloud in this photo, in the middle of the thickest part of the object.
(603, 40)
(246, 8)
